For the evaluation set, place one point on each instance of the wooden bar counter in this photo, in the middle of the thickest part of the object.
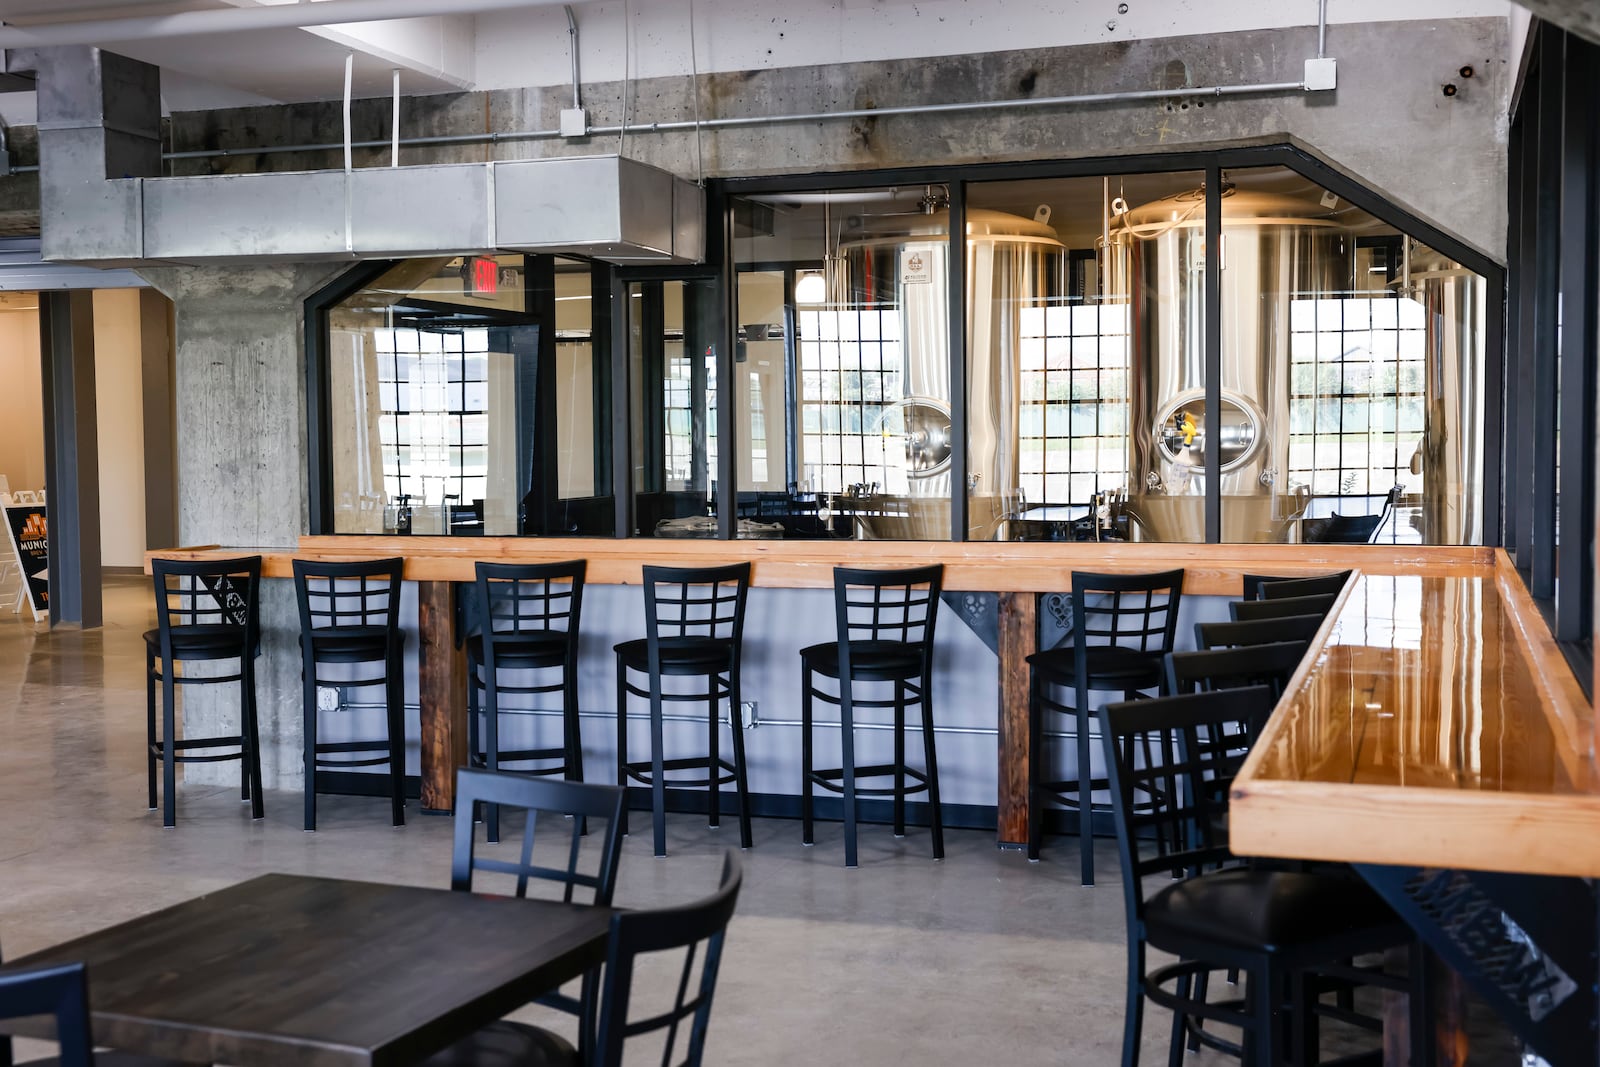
(1017, 571)
(1437, 725)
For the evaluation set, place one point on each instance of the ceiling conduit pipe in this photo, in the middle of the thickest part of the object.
(572, 34)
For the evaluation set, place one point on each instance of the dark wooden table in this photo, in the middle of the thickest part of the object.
(320, 972)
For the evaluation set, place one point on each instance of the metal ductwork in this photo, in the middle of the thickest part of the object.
(103, 203)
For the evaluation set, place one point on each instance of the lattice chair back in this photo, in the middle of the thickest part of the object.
(364, 594)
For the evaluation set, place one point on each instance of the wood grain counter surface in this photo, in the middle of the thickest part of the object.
(1436, 725)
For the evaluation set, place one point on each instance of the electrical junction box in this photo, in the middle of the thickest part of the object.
(574, 122)
(1321, 74)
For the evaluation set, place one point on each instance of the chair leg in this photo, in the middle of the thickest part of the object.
(1202, 982)
(309, 676)
(169, 746)
(244, 734)
(847, 743)
(806, 759)
(935, 807)
(1263, 993)
(622, 740)
(1133, 1011)
(1035, 760)
(740, 782)
(572, 722)
(1303, 1038)
(1175, 1048)
(252, 733)
(899, 759)
(395, 706)
(1085, 788)
(714, 748)
(150, 722)
(491, 744)
(658, 773)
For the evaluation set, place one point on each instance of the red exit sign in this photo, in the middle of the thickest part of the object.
(485, 275)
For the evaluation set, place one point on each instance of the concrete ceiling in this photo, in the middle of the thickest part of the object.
(278, 65)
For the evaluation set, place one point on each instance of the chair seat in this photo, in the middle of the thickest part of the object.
(522, 651)
(1110, 667)
(507, 1044)
(872, 661)
(679, 655)
(349, 644)
(200, 642)
(1263, 910)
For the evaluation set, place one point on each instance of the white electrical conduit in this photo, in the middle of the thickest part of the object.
(240, 19)
(764, 120)
(572, 35)
(394, 123)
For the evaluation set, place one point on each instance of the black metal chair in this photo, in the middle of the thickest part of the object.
(694, 625)
(633, 934)
(884, 621)
(527, 619)
(1122, 627)
(1293, 585)
(1209, 635)
(1281, 607)
(208, 611)
(1284, 930)
(1271, 665)
(350, 615)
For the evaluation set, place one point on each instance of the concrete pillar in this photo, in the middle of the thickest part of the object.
(239, 389)
(71, 455)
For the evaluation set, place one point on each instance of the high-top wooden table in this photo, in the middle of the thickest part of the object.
(1017, 571)
(1435, 738)
(291, 971)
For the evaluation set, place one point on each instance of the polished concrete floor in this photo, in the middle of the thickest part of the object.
(983, 958)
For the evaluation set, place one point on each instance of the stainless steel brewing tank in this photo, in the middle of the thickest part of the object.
(1012, 262)
(1274, 249)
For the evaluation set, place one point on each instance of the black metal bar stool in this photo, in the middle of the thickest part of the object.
(1122, 627)
(885, 621)
(1273, 587)
(350, 614)
(694, 625)
(206, 611)
(527, 618)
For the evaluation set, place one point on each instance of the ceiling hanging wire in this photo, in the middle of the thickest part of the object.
(694, 89)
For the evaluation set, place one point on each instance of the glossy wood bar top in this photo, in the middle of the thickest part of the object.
(1014, 566)
(1436, 725)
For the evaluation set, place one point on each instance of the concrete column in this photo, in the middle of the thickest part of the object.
(71, 455)
(239, 389)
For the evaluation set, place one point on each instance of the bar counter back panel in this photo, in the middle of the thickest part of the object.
(972, 685)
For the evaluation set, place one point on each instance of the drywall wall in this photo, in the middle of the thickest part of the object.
(119, 415)
(21, 398)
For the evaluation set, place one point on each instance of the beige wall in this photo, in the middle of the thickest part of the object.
(119, 404)
(21, 397)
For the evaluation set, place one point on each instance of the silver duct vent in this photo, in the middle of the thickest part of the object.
(101, 204)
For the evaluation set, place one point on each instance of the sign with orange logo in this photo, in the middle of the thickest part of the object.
(27, 526)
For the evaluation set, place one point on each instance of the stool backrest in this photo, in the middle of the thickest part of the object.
(586, 804)
(1281, 608)
(61, 990)
(1271, 665)
(221, 592)
(1256, 586)
(1137, 611)
(362, 593)
(524, 598)
(691, 928)
(706, 602)
(1208, 635)
(900, 605)
(1164, 774)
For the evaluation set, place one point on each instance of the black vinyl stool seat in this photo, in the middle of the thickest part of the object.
(694, 626)
(1281, 607)
(527, 619)
(1284, 930)
(1213, 635)
(884, 621)
(350, 615)
(1122, 627)
(697, 929)
(206, 611)
(1255, 585)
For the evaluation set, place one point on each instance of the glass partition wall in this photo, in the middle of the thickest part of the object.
(1230, 352)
